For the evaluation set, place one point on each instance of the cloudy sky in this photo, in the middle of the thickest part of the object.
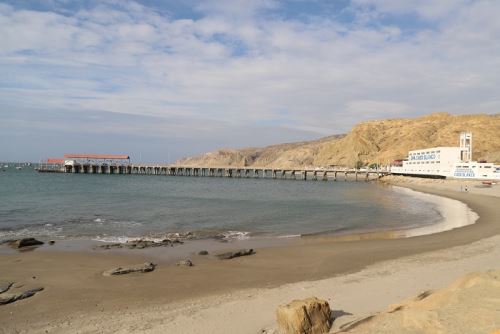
(164, 79)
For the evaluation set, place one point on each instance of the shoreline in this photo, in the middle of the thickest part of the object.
(77, 274)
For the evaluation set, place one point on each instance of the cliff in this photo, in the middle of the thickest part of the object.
(380, 141)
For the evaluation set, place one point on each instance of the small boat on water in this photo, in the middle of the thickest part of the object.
(19, 167)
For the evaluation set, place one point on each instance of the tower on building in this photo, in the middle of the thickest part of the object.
(466, 146)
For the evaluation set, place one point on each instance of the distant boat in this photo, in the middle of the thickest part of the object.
(19, 167)
(5, 166)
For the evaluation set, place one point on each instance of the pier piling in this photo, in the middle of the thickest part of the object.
(225, 172)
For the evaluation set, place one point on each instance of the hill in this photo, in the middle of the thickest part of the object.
(381, 141)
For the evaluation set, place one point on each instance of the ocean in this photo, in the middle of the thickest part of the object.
(119, 207)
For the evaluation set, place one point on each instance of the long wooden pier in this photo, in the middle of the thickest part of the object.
(226, 172)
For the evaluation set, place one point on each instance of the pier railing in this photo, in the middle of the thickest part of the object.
(227, 172)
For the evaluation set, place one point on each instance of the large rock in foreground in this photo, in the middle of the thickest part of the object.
(142, 268)
(308, 316)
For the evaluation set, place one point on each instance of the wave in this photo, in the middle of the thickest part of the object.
(47, 230)
(181, 236)
(454, 214)
(451, 214)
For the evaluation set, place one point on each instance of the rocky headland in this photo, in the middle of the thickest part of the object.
(372, 142)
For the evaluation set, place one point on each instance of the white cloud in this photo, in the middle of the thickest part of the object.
(232, 65)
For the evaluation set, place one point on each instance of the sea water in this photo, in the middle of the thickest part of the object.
(118, 207)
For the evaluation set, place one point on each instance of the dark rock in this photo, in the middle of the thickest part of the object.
(203, 252)
(141, 244)
(143, 268)
(231, 255)
(25, 242)
(185, 263)
(5, 286)
(12, 297)
(51, 242)
(110, 246)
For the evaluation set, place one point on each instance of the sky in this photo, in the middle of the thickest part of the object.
(160, 80)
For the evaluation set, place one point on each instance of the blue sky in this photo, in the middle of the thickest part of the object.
(166, 79)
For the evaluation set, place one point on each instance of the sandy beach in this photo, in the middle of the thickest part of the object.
(358, 277)
(249, 167)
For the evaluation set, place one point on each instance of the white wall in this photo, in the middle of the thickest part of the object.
(430, 161)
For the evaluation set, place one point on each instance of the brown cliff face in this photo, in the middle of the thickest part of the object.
(370, 142)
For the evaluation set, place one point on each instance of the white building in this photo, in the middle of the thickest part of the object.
(447, 162)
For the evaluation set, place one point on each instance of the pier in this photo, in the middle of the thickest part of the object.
(120, 164)
(222, 172)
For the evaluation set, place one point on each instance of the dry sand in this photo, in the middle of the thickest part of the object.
(359, 278)
(457, 185)
(470, 305)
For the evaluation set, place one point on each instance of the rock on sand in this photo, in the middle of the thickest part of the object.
(4, 286)
(142, 268)
(231, 255)
(7, 298)
(308, 316)
(25, 242)
(185, 263)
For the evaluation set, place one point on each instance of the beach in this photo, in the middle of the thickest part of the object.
(249, 167)
(359, 276)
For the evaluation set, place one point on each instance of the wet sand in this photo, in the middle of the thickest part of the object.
(78, 297)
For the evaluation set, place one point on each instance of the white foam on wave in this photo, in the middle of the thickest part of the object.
(238, 235)
(125, 223)
(123, 239)
(454, 213)
(47, 230)
(288, 236)
(229, 235)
